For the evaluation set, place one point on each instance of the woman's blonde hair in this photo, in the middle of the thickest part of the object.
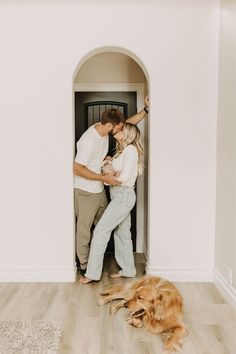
(132, 136)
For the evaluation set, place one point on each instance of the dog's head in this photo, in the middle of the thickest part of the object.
(143, 300)
(155, 303)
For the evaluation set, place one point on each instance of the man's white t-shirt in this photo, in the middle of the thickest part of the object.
(92, 148)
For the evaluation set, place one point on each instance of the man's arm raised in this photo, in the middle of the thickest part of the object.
(136, 118)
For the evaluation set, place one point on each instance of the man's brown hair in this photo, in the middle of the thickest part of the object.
(113, 116)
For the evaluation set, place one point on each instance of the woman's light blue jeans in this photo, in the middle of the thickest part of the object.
(116, 216)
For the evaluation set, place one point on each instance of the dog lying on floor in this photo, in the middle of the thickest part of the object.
(154, 303)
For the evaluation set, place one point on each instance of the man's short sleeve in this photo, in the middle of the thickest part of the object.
(84, 151)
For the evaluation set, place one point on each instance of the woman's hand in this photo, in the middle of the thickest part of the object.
(109, 158)
(107, 168)
(111, 180)
(116, 174)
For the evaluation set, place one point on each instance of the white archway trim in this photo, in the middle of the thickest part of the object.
(111, 49)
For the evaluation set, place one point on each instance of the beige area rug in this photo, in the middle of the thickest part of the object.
(23, 337)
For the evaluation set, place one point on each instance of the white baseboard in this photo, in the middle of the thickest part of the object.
(182, 274)
(44, 275)
(227, 291)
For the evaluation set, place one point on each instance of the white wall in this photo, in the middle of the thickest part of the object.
(41, 45)
(225, 247)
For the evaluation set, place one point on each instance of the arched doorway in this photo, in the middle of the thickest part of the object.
(114, 77)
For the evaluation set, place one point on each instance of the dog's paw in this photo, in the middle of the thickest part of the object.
(104, 294)
(113, 309)
(173, 348)
(101, 300)
(129, 320)
(133, 321)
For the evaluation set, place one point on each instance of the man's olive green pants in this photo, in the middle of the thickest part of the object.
(89, 208)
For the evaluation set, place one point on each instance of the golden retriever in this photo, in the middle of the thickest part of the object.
(154, 303)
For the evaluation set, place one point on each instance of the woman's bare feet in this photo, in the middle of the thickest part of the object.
(84, 280)
(116, 275)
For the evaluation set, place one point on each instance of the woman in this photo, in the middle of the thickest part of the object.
(127, 165)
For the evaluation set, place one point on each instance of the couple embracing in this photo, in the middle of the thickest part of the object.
(92, 169)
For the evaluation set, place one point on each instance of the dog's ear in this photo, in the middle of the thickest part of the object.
(174, 305)
(159, 307)
(130, 294)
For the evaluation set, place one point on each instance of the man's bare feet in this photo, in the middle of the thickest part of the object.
(116, 275)
(84, 280)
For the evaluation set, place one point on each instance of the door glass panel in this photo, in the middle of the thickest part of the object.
(121, 109)
(90, 115)
(102, 108)
(96, 115)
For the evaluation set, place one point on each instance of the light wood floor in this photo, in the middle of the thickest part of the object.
(90, 329)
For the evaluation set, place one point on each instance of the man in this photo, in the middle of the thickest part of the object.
(90, 197)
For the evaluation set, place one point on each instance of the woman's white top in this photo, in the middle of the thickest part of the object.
(127, 164)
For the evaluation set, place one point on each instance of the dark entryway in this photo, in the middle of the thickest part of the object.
(88, 109)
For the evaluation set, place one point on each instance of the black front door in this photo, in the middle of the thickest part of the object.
(88, 109)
